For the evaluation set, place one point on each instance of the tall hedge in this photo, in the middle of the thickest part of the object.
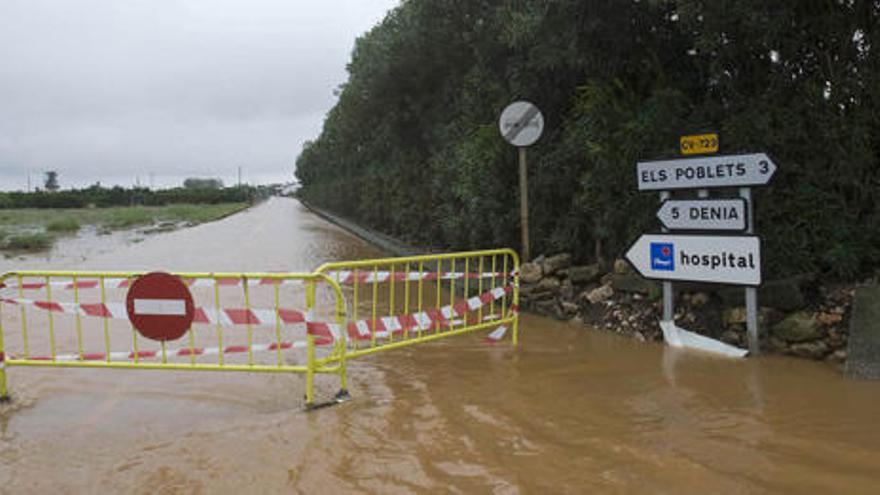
(412, 146)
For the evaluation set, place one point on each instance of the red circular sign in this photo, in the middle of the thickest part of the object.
(160, 306)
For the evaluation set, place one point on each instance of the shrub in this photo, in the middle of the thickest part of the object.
(63, 224)
(29, 242)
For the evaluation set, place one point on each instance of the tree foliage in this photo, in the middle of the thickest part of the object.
(412, 146)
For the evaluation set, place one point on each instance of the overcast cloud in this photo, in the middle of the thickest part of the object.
(117, 90)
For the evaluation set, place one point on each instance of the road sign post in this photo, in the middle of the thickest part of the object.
(521, 125)
(734, 260)
(751, 292)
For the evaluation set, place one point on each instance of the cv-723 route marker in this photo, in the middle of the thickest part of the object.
(703, 214)
(754, 169)
(732, 260)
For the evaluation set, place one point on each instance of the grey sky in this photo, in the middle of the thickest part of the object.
(115, 90)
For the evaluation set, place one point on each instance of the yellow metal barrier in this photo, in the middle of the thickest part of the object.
(81, 311)
(350, 309)
(397, 302)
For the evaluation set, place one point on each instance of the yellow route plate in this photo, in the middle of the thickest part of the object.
(699, 144)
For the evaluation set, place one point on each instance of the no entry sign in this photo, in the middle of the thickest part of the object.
(160, 306)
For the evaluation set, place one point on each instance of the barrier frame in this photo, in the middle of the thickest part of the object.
(333, 363)
(312, 367)
(511, 318)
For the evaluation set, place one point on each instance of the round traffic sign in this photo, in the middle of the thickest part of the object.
(160, 306)
(521, 124)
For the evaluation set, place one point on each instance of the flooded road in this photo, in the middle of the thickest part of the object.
(569, 411)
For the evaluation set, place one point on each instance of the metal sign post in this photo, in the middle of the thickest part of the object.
(521, 125)
(524, 205)
(751, 292)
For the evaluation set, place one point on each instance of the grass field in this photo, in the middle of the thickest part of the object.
(36, 229)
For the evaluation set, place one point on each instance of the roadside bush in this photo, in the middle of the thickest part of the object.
(29, 242)
(125, 218)
(63, 225)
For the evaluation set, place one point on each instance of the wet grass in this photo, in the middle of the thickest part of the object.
(63, 225)
(38, 241)
(34, 229)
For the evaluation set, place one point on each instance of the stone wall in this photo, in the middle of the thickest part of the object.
(798, 316)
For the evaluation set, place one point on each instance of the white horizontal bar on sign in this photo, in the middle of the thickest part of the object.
(164, 307)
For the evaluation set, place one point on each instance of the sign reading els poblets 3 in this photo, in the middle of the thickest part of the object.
(711, 171)
(732, 260)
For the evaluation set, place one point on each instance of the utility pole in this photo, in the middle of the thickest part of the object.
(239, 176)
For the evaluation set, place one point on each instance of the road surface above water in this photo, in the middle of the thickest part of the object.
(569, 411)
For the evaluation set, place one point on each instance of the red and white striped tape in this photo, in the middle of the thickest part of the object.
(342, 277)
(431, 319)
(358, 330)
(177, 352)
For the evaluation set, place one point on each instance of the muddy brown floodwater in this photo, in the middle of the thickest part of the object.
(569, 411)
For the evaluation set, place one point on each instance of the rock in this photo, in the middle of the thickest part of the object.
(569, 309)
(837, 356)
(548, 284)
(530, 273)
(566, 290)
(829, 319)
(547, 307)
(730, 337)
(734, 316)
(785, 295)
(798, 327)
(555, 263)
(600, 294)
(700, 299)
(632, 283)
(621, 267)
(584, 274)
(543, 295)
(777, 344)
(863, 349)
(639, 336)
(812, 350)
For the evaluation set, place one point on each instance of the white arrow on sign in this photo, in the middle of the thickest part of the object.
(703, 214)
(704, 172)
(732, 260)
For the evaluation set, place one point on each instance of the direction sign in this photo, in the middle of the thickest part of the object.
(710, 171)
(732, 260)
(703, 214)
(160, 306)
(521, 124)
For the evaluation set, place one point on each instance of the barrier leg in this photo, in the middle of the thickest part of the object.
(4, 393)
(310, 371)
(310, 348)
(343, 394)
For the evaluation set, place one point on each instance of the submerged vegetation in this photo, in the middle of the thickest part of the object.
(412, 147)
(35, 229)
